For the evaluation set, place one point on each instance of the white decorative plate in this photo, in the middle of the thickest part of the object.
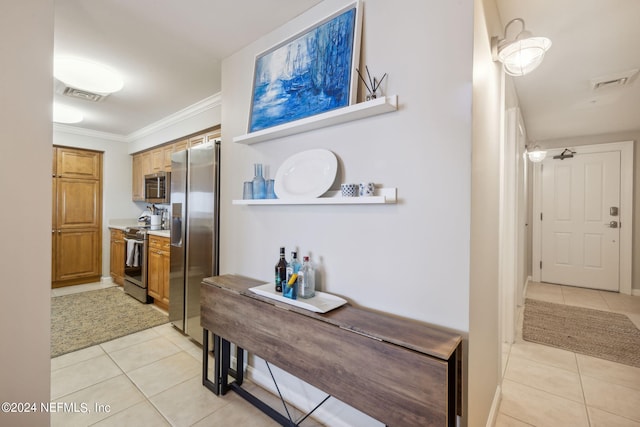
(308, 174)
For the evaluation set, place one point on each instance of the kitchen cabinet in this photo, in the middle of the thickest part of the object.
(142, 164)
(159, 160)
(117, 256)
(77, 216)
(158, 270)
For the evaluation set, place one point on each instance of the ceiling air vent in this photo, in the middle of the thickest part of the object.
(616, 80)
(73, 92)
(82, 94)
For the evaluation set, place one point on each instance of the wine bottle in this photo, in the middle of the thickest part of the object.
(306, 279)
(281, 271)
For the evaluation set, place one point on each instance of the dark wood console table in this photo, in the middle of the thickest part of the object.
(399, 371)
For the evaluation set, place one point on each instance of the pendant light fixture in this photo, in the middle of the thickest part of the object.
(522, 54)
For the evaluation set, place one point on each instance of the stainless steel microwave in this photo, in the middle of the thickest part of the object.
(157, 188)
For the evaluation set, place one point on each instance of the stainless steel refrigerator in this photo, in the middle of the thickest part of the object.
(195, 176)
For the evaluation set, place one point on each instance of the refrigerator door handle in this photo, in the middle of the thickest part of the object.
(176, 237)
(176, 225)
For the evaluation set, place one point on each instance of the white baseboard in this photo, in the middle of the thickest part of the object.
(495, 407)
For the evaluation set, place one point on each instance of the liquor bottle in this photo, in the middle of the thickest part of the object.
(306, 280)
(281, 271)
(294, 265)
(290, 286)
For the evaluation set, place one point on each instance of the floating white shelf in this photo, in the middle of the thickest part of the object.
(384, 196)
(374, 107)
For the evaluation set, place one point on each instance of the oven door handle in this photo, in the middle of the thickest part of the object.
(140, 242)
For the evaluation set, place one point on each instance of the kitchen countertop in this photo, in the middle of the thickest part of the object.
(160, 233)
(123, 224)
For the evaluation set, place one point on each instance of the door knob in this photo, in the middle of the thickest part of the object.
(612, 224)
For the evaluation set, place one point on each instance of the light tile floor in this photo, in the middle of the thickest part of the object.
(150, 378)
(546, 387)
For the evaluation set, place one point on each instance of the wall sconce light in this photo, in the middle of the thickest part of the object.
(521, 55)
(536, 155)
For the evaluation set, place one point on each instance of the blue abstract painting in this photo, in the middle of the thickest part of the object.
(307, 75)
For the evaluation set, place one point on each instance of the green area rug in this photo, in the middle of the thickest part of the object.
(602, 334)
(89, 318)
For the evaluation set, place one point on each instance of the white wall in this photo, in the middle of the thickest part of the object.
(488, 107)
(412, 258)
(116, 182)
(26, 46)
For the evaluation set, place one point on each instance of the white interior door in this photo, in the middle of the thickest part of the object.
(580, 217)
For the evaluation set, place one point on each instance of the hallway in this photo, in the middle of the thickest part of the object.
(546, 387)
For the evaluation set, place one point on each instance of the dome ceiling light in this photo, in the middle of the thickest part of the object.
(86, 78)
(521, 55)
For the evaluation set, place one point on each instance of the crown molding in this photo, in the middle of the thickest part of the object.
(184, 114)
(57, 127)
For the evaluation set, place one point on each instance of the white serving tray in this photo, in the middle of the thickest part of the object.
(321, 302)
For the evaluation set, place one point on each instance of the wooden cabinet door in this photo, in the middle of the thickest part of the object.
(74, 163)
(137, 188)
(157, 160)
(78, 203)
(76, 216)
(117, 256)
(180, 146)
(167, 151)
(147, 163)
(158, 270)
(78, 254)
(197, 140)
(166, 262)
(155, 274)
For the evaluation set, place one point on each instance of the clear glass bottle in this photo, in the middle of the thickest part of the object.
(306, 279)
(258, 182)
(281, 271)
(293, 266)
(290, 287)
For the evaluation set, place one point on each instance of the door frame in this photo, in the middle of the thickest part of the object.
(511, 245)
(626, 208)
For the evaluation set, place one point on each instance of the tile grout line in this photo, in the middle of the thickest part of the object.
(584, 397)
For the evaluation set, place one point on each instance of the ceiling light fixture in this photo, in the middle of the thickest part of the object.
(87, 75)
(521, 55)
(64, 114)
(536, 155)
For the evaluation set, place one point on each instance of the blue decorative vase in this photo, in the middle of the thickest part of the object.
(259, 185)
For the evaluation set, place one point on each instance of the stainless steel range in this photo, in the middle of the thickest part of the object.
(135, 268)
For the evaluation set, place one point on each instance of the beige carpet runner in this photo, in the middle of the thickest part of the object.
(89, 318)
(610, 336)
